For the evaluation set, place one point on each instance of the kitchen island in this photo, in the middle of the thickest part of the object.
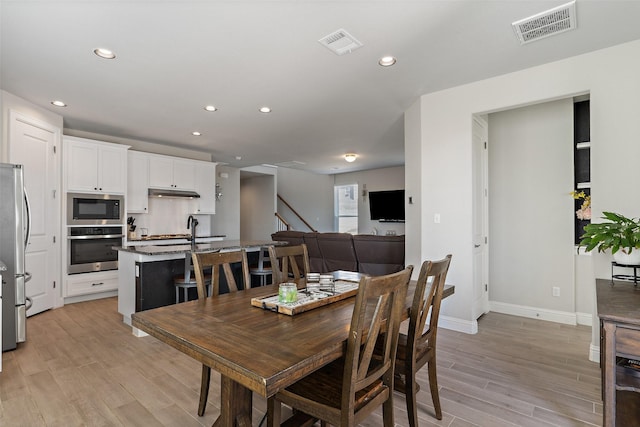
(145, 273)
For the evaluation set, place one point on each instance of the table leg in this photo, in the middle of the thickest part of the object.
(236, 403)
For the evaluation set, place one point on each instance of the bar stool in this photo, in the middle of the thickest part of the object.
(186, 283)
(263, 269)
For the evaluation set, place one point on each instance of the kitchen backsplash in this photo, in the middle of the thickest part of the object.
(169, 216)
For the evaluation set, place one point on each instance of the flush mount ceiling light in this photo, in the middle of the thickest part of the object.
(265, 110)
(104, 53)
(350, 157)
(387, 61)
(58, 103)
(196, 133)
(210, 108)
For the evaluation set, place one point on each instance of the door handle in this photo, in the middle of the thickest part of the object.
(476, 246)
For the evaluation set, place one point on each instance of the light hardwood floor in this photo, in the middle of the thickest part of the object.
(81, 366)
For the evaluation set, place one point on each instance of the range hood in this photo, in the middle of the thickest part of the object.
(183, 194)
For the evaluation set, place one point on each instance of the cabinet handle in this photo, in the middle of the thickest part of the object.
(97, 284)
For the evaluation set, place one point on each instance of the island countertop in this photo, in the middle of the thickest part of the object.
(226, 245)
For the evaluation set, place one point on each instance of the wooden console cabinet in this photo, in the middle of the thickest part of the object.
(619, 313)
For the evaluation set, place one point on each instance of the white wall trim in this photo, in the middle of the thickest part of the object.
(584, 319)
(460, 325)
(594, 353)
(564, 317)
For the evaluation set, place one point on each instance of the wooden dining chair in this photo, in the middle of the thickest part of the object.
(346, 391)
(289, 262)
(418, 346)
(217, 261)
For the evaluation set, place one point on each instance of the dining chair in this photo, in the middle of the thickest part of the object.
(418, 346)
(263, 268)
(346, 391)
(289, 262)
(217, 261)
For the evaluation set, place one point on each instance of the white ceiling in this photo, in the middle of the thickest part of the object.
(175, 57)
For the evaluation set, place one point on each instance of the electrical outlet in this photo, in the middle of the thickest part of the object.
(556, 291)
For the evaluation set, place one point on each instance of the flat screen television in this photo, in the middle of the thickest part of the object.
(387, 206)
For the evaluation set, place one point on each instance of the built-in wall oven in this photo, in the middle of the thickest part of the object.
(91, 248)
(94, 209)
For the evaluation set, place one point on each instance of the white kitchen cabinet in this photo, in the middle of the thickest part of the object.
(95, 166)
(205, 185)
(138, 182)
(91, 283)
(171, 173)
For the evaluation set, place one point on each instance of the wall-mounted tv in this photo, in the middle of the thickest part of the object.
(387, 206)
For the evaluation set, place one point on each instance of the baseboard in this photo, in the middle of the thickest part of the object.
(584, 319)
(90, 297)
(460, 325)
(594, 353)
(564, 317)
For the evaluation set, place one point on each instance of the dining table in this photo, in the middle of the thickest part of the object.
(255, 349)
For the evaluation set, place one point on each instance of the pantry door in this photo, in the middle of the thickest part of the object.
(35, 145)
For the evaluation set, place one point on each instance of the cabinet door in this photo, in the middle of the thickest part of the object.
(112, 166)
(138, 183)
(81, 166)
(206, 187)
(184, 174)
(160, 172)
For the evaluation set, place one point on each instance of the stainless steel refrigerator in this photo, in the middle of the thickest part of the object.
(14, 236)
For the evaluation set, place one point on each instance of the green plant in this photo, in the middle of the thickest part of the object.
(620, 233)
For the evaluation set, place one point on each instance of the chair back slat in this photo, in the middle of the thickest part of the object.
(377, 315)
(284, 262)
(220, 261)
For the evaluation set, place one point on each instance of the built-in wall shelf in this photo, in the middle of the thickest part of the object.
(583, 185)
(581, 159)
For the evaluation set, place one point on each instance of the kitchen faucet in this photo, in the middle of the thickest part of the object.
(192, 223)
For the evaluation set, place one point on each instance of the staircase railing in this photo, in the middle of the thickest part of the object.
(281, 223)
(295, 213)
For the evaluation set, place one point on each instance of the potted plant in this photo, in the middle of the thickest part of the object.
(620, 234)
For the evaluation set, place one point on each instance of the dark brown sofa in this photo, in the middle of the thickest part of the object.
(366, 253)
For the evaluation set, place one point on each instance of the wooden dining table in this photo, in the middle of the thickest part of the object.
(253, 349)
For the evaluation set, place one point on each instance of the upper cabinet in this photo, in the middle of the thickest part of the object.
(138, 182)
(171, 173)
(95, 166)
(206, 187)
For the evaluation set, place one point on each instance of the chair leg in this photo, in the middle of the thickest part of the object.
(204, 389)
(387, 411)
(433, 384)
(177, 295)
(273, 412)
(410, 391)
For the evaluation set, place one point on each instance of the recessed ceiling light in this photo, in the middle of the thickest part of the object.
(350, 157)
(196, 133)
(265, 110)
(387, 61)
(58, 103)
(104, 53)
(210, 108)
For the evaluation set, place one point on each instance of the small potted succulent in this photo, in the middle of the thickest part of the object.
(619, 233)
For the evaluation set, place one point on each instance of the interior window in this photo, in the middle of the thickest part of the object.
(346, 205)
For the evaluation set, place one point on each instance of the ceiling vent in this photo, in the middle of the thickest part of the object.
(291, 164)
(340, 42)
(545, 24)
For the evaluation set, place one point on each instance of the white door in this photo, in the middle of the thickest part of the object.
(480, 219)
(33, 144)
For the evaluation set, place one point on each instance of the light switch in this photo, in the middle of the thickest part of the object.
(436, 218)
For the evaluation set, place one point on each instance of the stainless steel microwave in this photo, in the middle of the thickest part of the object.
(94, 209)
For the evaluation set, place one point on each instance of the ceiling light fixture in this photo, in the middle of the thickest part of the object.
(265, 110)
(196, 133)
(104, 53)
(350, 157)
(58, 103)
(387, 61)
(210, 108)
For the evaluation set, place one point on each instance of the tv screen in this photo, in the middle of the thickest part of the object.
(387, 206)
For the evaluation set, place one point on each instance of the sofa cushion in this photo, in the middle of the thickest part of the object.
(378, 255)
(338, 251)
(316, 262)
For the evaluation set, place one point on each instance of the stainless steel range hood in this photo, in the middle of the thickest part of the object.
(183, 194)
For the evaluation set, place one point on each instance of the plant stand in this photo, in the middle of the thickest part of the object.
(628, 277)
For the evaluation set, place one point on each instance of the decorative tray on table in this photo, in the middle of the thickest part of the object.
(308, 300)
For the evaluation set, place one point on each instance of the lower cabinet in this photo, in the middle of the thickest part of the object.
(91, 283)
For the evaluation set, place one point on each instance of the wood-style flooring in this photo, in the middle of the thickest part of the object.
(82, 367)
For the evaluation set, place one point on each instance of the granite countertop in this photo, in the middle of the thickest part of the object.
(198, 247)
(172, 237)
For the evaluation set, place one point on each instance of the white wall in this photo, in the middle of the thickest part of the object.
(530, 209)
(257, 203)
(168, 215)
(611, 78)
(375, 180)
(227, 218)
(310, 194)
